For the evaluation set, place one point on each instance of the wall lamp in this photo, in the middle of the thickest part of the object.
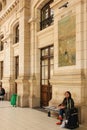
(64, 5)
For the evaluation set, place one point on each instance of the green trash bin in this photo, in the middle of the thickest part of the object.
(13, 99)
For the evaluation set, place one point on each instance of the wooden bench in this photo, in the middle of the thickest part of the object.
(2, 97)
(51, 108)
(54, 109)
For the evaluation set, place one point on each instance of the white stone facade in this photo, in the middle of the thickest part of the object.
(26, 13)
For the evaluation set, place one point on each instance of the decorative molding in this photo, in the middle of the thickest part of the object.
(32, 20)
(9, 9)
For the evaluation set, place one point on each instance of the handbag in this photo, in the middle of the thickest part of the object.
(72, 118)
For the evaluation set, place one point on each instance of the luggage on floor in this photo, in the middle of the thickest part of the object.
(13, 99)
(72, 121)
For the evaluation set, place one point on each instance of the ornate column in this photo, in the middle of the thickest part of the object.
(34, 97)
(8, 81)
(24, 68)
(84, 62)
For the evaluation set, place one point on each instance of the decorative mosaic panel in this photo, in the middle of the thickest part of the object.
(67, 41)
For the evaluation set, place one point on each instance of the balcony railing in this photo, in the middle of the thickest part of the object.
(47, 22)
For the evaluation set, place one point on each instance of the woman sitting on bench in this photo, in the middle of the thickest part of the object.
(66, 104)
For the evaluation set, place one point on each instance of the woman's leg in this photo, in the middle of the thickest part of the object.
(61, 111)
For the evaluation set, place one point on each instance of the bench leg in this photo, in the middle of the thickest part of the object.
(49, 113)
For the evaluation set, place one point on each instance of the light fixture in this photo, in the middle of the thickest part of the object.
(64, 5)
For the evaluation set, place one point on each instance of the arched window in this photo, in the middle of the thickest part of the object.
(46, 16)
(17, 34)
(0, 6)
(1, 69)
(15, 88)
(16, 67)
(1, 42)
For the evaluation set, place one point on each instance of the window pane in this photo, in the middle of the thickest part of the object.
(51, 71)
(46, 82)
(1, 42)
(51, 61)
(46, 52)
(46, 72)
(1, 69)
(17, 34)
(43, 16)
(42, 52)
(43, 72)
(42, 82)
(16, 67)
(0, 6)
(51, 51)
(52, 12)
(44, 62)
(46, 13)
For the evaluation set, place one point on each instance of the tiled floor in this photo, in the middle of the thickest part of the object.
(14, 118)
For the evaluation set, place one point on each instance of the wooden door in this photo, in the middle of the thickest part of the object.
(46, 73)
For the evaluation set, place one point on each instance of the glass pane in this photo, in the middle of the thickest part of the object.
(43, 73)
(51, 50)
(46, 14)
(51, 71)
(52, 12)
(51, 61)
(46, 52)
(42, 52)
(46, 82)
(46, 72)
(43, 15)
(42, 82)
(44, 62)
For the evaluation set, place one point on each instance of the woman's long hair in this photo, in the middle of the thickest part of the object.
(68, 93)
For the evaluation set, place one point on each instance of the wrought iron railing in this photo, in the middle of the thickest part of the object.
(47, 22)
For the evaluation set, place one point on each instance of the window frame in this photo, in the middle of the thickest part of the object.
(16, 67)
(46, 19)
(1, 69)
(0, 6)
(16, 31)
(1, 43)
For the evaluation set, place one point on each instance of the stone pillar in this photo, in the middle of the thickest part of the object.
(84, 62)
(8, 82)
(24, 68)
(34, 98)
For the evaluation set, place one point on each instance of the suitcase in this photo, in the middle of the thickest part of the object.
(72, 121)
(13, 99)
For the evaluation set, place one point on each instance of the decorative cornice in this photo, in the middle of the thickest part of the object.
(8, 10)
